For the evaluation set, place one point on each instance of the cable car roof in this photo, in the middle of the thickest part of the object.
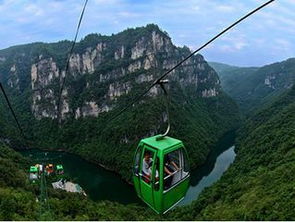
(59, 167)
(33, 169)
(161, 144)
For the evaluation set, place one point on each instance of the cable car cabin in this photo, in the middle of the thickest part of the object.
(33, 173)
(59, 169)
(33, 169)
(161, 172)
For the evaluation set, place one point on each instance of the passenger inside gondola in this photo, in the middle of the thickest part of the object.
(146, 166)
(170, 167)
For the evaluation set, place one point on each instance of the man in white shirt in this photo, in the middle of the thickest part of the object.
(146, 166)
(147, 163)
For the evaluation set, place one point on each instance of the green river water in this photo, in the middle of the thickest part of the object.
(101, 184)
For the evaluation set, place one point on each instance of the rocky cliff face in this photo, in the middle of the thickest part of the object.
(107, 68)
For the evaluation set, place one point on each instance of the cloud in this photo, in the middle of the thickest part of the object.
(188, 22)
(225, 8)
(34, 10)
(128, 14)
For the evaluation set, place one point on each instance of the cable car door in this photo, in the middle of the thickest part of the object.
(147, 166)
(136, 169)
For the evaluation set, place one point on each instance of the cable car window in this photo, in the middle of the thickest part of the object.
(147, 164)
(175, 168)
(171, 166)
(137, 161)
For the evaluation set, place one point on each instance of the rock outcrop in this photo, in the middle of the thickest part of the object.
(104, 68)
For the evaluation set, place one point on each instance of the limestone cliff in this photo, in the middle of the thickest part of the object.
(112, 65)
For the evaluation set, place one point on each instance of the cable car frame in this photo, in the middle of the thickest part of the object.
(153, 191)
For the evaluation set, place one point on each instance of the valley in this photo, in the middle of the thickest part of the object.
(255, 87)
(251, 181)
(105, 73)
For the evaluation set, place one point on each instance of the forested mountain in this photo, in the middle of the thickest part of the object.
(108, 71)
(105, 73)
(254, 87)
(258, 186)
(260, 183)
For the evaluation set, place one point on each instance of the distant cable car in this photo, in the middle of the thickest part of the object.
(59, 169)
(161, 170)
(33, 173)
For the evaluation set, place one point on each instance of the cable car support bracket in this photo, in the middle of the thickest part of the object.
(162, 85)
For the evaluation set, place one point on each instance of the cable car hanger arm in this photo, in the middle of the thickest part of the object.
(161, 83)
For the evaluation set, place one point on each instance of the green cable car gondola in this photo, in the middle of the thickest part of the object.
(33, 169)
(33, 175)
(59, 169)
(161, 171)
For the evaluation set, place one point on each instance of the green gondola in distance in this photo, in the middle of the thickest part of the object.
(33, 174)
(33, 169)
(161, 172)
(59, 169)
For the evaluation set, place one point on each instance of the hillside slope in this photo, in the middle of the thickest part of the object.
(18, 198)
(253, 88)
(260, 185)
(230, 76)
(105, 73)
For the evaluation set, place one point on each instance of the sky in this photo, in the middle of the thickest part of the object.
(264, 38)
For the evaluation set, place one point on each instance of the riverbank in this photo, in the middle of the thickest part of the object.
(89, 160)
(98, 183)
(105, 184)
(226, 140)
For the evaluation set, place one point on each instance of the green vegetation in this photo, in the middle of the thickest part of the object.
(196, 120)
(18, 197)
(254, 87)
(232, 76)
(16, 202)
(205, 119)
(260, 185)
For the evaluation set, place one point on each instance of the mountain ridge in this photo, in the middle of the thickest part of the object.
(106, 72)
(253, 87)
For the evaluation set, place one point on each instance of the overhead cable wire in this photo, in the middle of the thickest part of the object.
(12, 111)
(68, 59)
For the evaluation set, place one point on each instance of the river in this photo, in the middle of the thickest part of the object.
(98, 183)
(217, 163)
(101, 184)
